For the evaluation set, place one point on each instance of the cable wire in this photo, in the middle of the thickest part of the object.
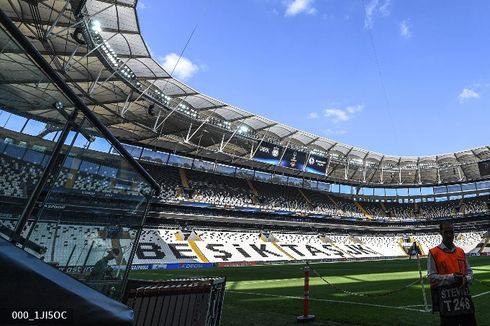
(380, 74)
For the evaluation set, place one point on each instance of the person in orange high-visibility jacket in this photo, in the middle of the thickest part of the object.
(448, 267)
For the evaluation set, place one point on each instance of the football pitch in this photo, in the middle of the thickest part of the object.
(273, 294)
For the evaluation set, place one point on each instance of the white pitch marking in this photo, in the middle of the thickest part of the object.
(480, 294)
(267, 281)
(327, 300)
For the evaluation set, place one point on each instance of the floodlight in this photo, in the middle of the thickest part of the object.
(58, 105)
(243, 129)
(96, 26)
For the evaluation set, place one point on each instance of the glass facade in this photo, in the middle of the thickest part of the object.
(88, 201)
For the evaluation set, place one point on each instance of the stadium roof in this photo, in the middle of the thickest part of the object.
(97, 47)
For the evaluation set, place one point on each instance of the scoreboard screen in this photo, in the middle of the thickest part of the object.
(484, 168)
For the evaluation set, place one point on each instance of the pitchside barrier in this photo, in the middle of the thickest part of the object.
(193, 301)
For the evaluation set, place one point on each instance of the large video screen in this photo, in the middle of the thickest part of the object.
(290, 158)
(484, 168)
(293, 159)
(316, 164)
(268, 153)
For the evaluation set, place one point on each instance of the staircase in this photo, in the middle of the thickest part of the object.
(383, 207)
(363, 211)
(310, 205)
(334, 202)
(183, 178)
(255, 194)
(462, 207)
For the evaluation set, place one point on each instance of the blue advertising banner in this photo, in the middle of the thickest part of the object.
(194, 204)
(189, 265)
(317, 216)
(159, 266)
(283, 212)
(249, 209)
(141, 267)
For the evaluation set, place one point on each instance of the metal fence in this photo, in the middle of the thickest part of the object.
(179, 302)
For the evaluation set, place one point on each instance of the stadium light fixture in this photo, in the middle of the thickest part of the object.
(96, 28)
(58, 105)
(243, 129)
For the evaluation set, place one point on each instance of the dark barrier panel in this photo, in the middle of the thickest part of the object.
(484, 168)
(29, 285)
(176, 302)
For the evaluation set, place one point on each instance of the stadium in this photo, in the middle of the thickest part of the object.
(128, 197)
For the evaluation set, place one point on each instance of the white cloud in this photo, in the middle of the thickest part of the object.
(313, 115)
(337, 115)
(342, 115)
(141, 5)
(405, 29)
(384, 9)
(354, 109)
(374, 9)
(467, 94)
(182, 69)
(296, 7)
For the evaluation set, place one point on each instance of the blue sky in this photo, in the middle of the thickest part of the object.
(392, 76)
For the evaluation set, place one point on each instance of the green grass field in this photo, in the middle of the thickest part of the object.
(272, 295)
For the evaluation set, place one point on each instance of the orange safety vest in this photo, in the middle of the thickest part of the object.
(449, 262)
